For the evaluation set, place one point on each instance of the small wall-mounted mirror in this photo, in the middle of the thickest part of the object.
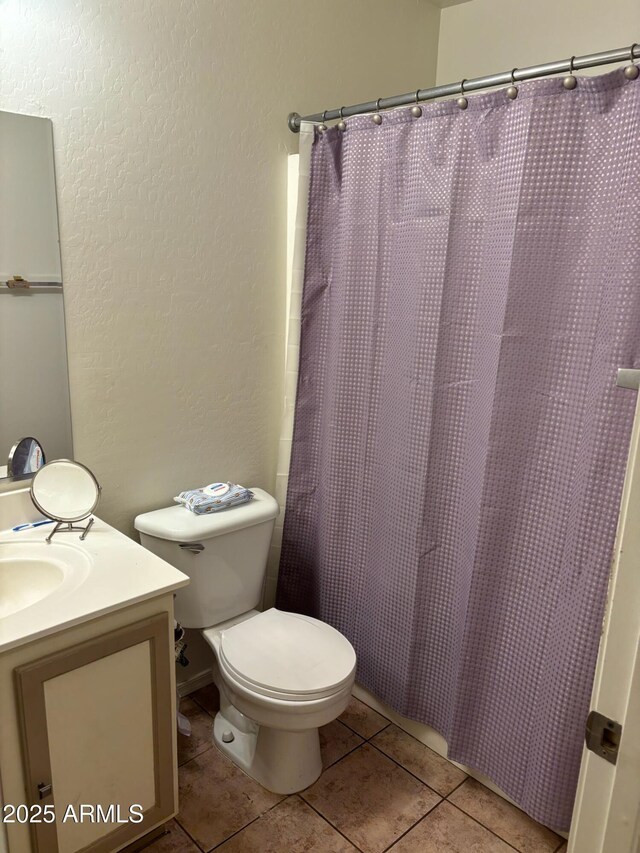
(26, 457)
(34, 385)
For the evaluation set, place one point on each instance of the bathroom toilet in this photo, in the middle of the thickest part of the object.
(280, 675)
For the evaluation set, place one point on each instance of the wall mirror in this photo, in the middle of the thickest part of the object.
(34, 384)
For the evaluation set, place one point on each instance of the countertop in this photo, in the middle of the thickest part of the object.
(119, 572)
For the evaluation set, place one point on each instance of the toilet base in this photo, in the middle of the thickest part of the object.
(282, 762)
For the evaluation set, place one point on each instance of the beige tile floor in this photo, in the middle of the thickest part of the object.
(380, 790)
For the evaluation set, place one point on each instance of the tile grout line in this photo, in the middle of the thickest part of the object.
(197, 755)
(495, 834)
(188, 834)
(364, 737)
(555, 849)
(413, 826)
(459, 785)
(380, 752)
(298, 794)
(359, 746)
(275, 805)
(326, 820)
(210, 740)
(224, 840)
(405, 732)
(237, 832)
(338, 760)
(443, 797)
(193, 758)
(176, 817)
(406, 770)
(365, 740)
(378, 732)
(397, 763)
(206, 710)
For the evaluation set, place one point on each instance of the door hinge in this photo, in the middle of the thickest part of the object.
(602, 736)
(44, 790)
(628, 377)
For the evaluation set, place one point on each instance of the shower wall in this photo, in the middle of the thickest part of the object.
(484, 36)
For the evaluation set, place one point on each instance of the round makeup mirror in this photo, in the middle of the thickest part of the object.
(26, 457)
(67, 492)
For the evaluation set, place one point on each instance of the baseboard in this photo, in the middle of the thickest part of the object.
(429, 737)
(190, 685)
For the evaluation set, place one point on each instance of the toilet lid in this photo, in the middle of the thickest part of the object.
(287, 655)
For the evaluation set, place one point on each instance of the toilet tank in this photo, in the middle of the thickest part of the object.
(224, 553)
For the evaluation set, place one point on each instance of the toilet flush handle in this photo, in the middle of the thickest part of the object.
(194, 547)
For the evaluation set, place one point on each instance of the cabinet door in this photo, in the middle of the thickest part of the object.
(97, 731)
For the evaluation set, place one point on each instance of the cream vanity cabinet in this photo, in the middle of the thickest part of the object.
(88, 720)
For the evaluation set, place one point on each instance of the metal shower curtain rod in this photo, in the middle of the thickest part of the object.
(576, 63)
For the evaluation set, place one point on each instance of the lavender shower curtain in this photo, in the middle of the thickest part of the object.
(472, 285)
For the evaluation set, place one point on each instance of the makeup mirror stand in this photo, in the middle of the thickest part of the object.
(70, 528)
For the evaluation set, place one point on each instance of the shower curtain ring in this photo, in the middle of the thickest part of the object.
(376, 117)
(570, 81)
(512, 91)
(632, 71)
(322, 126)
(416, 110)
(462, 102)
(342, 125)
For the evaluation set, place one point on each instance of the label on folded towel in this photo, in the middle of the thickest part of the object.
(216, 489)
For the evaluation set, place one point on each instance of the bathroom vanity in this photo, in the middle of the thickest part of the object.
(87, 687)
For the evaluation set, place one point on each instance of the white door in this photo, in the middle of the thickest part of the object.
(606, 817)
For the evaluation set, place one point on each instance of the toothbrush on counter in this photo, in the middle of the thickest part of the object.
(31, 524)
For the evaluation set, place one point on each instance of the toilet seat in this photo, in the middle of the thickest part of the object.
(286, 656)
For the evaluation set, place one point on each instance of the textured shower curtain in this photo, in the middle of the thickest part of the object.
(472, 284)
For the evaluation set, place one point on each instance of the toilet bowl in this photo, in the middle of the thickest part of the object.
(280, 675)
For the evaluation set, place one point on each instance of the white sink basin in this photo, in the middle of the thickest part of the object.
(32, 570)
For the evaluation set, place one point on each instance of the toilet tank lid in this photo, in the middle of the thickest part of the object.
(178, 524)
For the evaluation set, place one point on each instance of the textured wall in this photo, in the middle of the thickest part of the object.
(170, 142)
(485, 36)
